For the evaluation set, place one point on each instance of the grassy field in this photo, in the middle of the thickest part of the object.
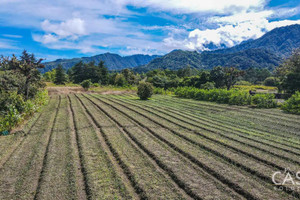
(92, 146)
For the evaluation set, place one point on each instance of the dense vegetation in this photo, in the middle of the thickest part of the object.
(216, 80)
(255, 58)
(289, 73)
(232, 97)
(21, 91)
(292, 105)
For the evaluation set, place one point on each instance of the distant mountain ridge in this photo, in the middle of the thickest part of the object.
(267, 51)
(112, 61)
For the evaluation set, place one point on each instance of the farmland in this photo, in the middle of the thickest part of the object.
(92, 146)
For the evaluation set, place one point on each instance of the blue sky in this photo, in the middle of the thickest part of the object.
(73, 28)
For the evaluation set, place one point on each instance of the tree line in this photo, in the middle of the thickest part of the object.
(285, 77)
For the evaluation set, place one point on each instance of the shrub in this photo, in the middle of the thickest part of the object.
(96, 85)
(157, 90)
(271, 81)
(208, 86)
(145, 90)
(240, 98)
(17, 109)
(120, 80)
(292, 105)
(233, 96)
(264, 100)
(254, 87)
(86, 84)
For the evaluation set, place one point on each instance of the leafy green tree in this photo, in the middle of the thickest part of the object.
(27, 66)
(289, 73)
(272, 81)
(120, 80)
(208, 86)
(11, 82)
(255, 75)
(92, 72)
(204, 77)
(83, 71)
(217, 75)
(231, 75)
(104, 74)
(292, 105)
(160, 81)
(184, 72)
(130, 77)
(60, 75)
(50, 75)
(145, 90)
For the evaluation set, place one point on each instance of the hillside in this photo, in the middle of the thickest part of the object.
(265, 52)
(174, 61)
(112, 61)
(280, 41)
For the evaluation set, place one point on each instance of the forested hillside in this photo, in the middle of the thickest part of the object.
(112, 61)
(265, 52)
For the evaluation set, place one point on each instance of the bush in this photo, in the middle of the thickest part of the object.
(157, 90)
(240, 98)
(292, 105)
(208, 86)
(271, 81)
(169, 91)
(233, 96)
(254, 87)
(16, 109)
(86, 84)
(145, 90)
(264, 101)
(120, 80)
(96, 85)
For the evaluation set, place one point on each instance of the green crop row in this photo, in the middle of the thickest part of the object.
(212, 125)
(169, 138)
(256, 152)
(100, 177)
(232, 97)
(264, 123)
(148, 181)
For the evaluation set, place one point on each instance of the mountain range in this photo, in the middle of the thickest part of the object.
(267, 51)
(112, 61)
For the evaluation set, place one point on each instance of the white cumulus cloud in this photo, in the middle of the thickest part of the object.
(231, 30)
(69, 28)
